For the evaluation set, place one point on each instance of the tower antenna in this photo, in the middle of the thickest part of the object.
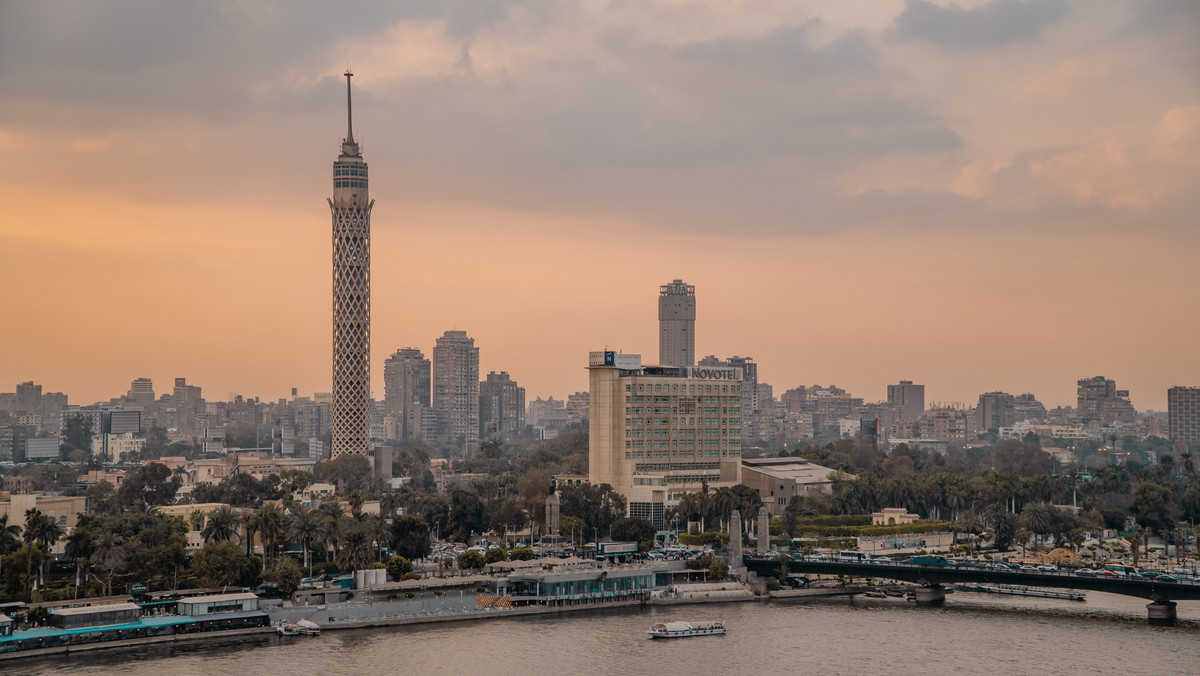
(349, 115)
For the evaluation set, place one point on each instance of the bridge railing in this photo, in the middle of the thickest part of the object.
(883, 566)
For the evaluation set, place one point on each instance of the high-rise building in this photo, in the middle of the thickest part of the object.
(995, 410)
(141, 390)
(753, 413)
(501, 407)
(29, 398)
(1183, 415)
(1101, 403)
(577, 409)
(656, 432)
(1027, 407)
(407, 378)
(456, 387)
(351, 210)
(677, 324)
(907, 398)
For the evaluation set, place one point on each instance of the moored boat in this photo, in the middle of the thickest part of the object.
(686, 629)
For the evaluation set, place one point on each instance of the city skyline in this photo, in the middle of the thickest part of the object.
(999, 203)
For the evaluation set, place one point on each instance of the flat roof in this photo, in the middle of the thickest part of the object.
(87, 610)
(218, 598)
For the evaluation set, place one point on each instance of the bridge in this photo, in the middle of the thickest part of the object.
(931, 577)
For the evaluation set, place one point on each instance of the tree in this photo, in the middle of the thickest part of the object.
(9, 538)
(355, 553)
(221, 525)
(77, 432)
(223, 563)
(347, 471)
(151, 484)
(598, 506)
(1153, 507)
(471, 560)
(270, 521)
(304, 526)
(410, 537)
(633, 529)
(533, 487)
(398, 566)
(496, 554)
(466, 515)
(718, 570)
(520, 554)
(286, 574)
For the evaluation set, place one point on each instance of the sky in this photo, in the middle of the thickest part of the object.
(974, 195)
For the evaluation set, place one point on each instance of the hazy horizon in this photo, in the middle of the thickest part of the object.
(971, 195)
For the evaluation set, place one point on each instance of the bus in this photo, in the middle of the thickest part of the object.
(853, 557)
(1119, 570)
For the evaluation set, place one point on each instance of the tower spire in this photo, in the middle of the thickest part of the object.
(349, 116)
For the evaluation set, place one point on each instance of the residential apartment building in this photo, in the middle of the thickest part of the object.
(501, 407)
(456, 388)
(407, 383)
(1183, 415)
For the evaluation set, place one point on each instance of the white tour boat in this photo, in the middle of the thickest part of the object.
(685, 629)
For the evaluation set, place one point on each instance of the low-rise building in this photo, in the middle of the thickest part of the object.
(778, 480)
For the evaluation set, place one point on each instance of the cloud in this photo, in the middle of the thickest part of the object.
(999, 23)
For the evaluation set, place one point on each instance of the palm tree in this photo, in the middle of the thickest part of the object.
(377, 529)
(355, 553)
(304, 525)
(251, 525)
(47, 535)
(270, 523)
(10, 538)
(33, 521)
(356, 500)
(222, 525)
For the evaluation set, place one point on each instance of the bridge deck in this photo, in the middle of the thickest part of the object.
(937, 574)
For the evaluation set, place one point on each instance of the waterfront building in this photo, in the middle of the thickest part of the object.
(778, 480)
(351, 210)
(456, 387)
(908, 399)
(585, 585)
(407, 381)
(1183, 415)
(656, 432)
(677, 324)
(501, 407)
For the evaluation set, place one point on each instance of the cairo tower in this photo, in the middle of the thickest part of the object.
(351, 207)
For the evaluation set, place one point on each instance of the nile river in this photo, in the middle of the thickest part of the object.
(972, 634)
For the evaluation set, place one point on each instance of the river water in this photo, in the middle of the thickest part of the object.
(971, 634)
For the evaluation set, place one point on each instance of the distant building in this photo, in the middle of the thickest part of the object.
(995, 410)
(141, 391)
(42, 448)
(407, 383)
(677, 324)
(1183, 415)
(547, 417)
(577, 409)
(908, 399)
(501, 407)
(1027, 407)
(456, 387)
(1100, 403)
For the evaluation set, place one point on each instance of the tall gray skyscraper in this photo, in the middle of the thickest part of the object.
(351, 208)
(456, 387)
(907, 399)
(677, 324)
(406, 387)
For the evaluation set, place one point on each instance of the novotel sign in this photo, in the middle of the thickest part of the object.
(714, 373)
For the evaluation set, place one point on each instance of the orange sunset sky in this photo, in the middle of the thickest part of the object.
(972, 195)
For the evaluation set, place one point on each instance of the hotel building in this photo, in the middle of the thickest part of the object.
(657, 432)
